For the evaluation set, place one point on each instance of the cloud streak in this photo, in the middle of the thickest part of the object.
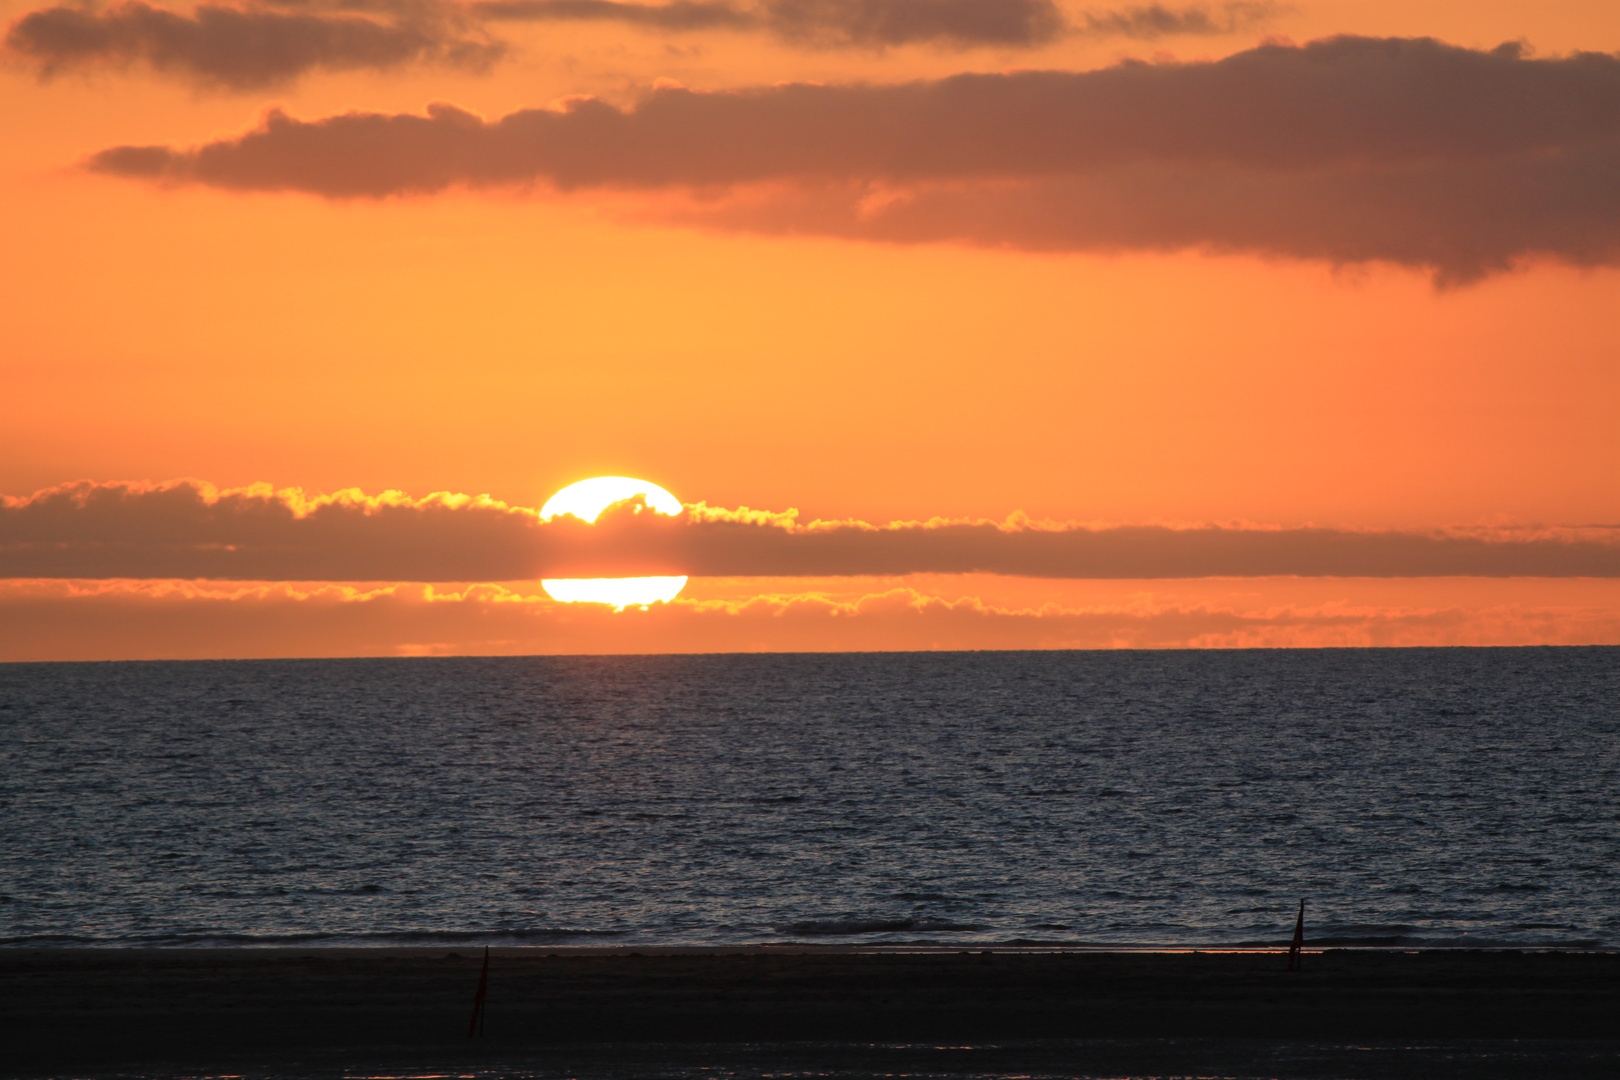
(868, 24)
(59, 620)
(254, 46)
(676, 17)
(1409, 151)
(242, 49)
(190, 531)
(1149, 22)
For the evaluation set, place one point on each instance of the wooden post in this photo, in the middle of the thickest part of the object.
(1299, 940)
(477, 1024)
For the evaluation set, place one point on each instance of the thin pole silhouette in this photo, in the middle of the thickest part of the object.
(477, 1024)
(1293, 950)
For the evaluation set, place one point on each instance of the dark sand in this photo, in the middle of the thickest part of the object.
(636, 1012)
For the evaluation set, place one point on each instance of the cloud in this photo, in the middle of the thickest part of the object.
(1349, 150)
(63, 620)
(1149, 22)
(245, 49)
(870, 24)
(257, 45)
(189, 530)
(1460, 222)
(680, 15)
(878, 24)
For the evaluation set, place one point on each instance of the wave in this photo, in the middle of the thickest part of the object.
(221, 939)
(1446, 941)
(837, 927)
(1409, 936)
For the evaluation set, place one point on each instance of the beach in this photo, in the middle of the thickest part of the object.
(87, 1011)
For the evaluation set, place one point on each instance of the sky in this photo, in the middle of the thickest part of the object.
(955, 324)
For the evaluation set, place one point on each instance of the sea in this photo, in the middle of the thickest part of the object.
(1411, 797)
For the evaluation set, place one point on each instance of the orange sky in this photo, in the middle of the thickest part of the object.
(509, 340)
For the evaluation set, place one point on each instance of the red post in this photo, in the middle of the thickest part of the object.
(476, 1027)
(1299, 939)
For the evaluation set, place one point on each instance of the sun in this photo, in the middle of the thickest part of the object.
(586, 500)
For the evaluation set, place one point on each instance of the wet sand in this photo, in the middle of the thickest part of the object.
(87, 1010)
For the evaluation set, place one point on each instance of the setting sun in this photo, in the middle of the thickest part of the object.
(586, 500)
(620, 592)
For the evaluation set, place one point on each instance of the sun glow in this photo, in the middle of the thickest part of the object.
(586, 500)
(621, 592)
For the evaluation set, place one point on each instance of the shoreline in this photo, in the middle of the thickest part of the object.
(785, 948)
(89, 1008)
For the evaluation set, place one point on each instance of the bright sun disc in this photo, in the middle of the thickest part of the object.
(621, 592)
(586, 500)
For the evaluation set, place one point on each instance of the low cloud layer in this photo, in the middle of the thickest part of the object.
(186, 530)
(1458, 161)
(249, 48)
(878, 24)
(1149, 22)
(680, 16)
(255, 45)
(61, 620)
(869, 24)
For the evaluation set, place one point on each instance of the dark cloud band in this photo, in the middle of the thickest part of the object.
(677, 17)
(877, 24)
(185, 530)
(272, 42)
(818, 23)
(1148, 22)
(1350, 149)
(243, 49)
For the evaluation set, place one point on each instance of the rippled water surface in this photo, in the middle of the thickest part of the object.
(1440, 796)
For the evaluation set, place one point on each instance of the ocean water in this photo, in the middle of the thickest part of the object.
(1414, 797)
